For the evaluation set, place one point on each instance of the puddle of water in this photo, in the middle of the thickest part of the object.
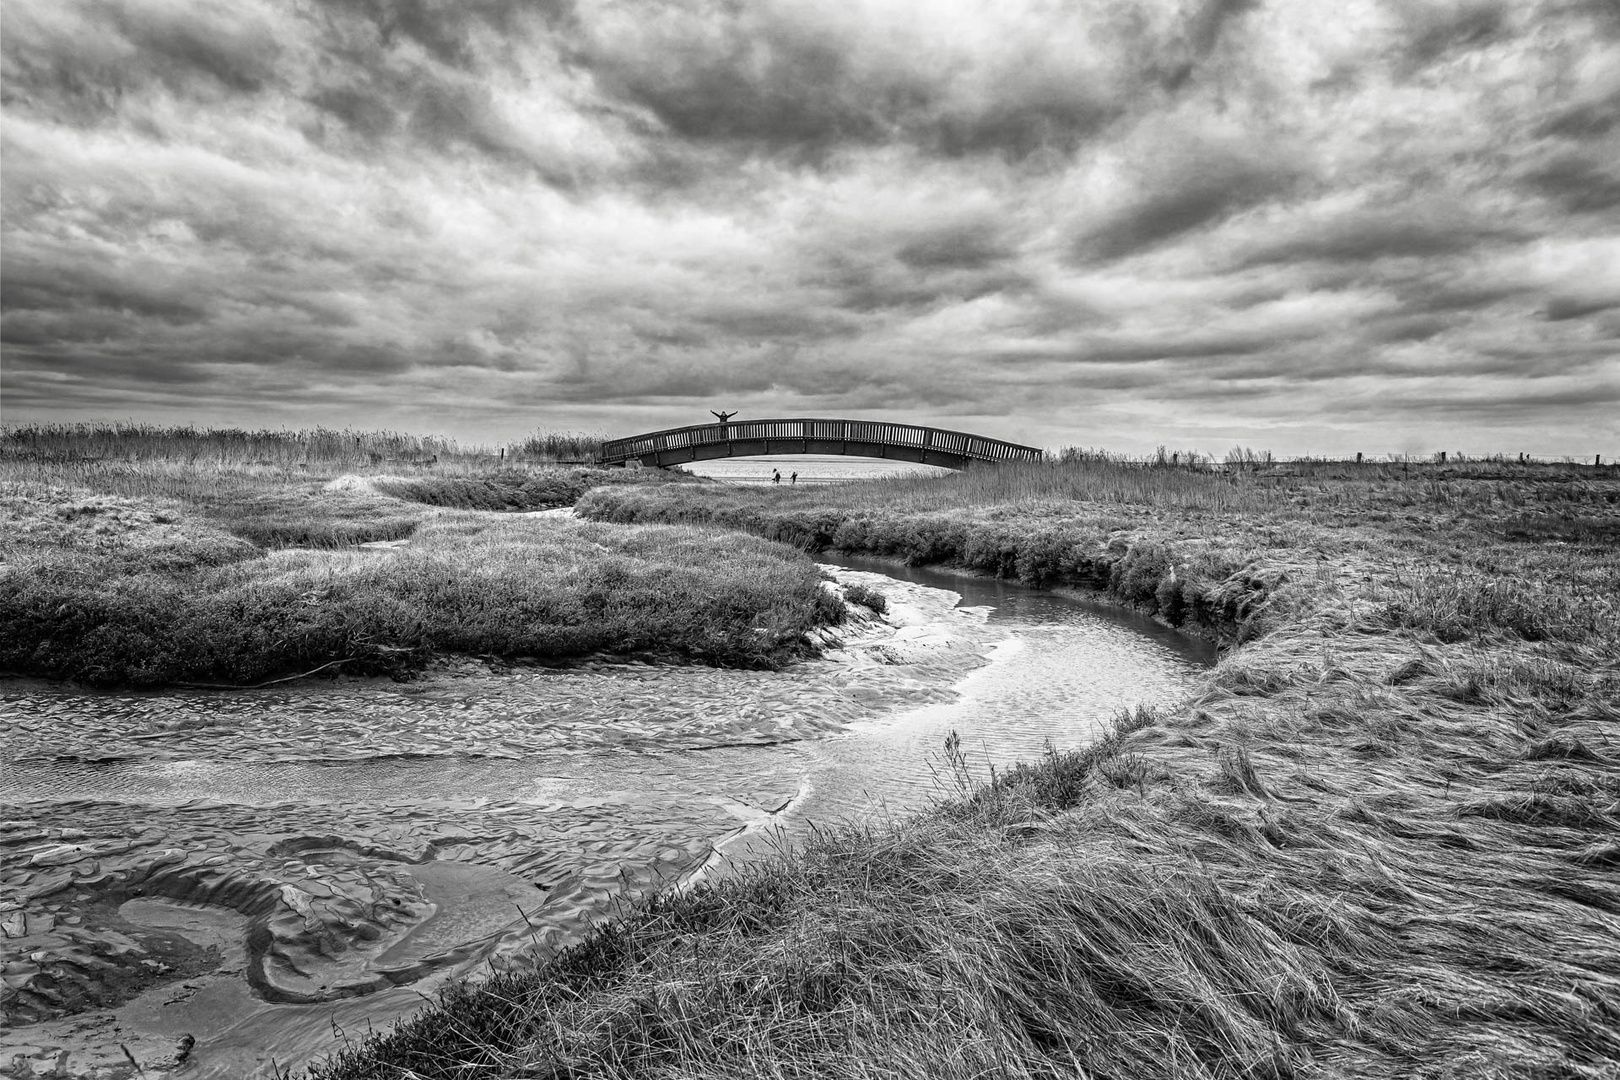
(375, 840)
(810, 469)
(202, 925)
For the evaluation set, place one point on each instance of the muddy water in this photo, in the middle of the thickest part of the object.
(216, 884)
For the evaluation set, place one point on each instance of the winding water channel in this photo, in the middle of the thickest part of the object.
(223, 880)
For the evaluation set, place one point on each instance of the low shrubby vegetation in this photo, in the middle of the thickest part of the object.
(136, 569)
(867, 597)
(513, 489)
(1381, 840)
(467, 584)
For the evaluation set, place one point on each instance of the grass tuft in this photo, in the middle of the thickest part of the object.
(867, 597)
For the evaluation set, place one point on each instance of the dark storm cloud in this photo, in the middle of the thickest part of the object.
(969, 245)
(1194, 190)
(1197, 346)
(1584, 397)
(1212, 19)
(1417, 231)
(83, 62)
(75, 293)
(447, 31)
(88, 366)
(1020, 209)
(1561, 308)
(805, 81)
(1584, 119)
(753, 323)
(463, 114)
(1409, 328)
(1582, 182)
(906, 281)
(182, 45)
(368, 113)
(800, 90)
(1435, 30)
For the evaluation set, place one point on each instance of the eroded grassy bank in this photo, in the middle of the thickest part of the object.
(1381, 841)
(153, 571)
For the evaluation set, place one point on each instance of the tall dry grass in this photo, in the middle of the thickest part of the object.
(200, 447)
(325, 447)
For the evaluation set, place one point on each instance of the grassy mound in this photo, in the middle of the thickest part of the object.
(158, 572)
(466, 585)
(511, 489)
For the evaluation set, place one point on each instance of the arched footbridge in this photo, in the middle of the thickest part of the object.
(856, 438)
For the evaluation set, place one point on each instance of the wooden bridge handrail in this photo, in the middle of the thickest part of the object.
(820, 429)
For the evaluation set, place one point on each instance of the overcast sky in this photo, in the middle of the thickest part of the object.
(1314, 227)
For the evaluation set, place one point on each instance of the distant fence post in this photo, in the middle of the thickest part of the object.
(1442, 457)
(1358, 457)
(503, 455)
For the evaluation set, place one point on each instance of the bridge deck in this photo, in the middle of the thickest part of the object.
(856, 438)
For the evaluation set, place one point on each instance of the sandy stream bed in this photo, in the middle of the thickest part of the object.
(218, 884)
(183, 874)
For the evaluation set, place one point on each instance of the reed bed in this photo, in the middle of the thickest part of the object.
(1381, 840)
(346, 448)
(567, 446)
(194, 447)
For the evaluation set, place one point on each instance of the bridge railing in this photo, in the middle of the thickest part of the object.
(819, 430)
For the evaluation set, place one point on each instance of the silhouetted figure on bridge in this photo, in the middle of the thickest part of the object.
(724, 416)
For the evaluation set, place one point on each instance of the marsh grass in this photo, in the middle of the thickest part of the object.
(137, 569)
(867, 597)
(315, 447)
(1380, 841)
(565, 446)
(513, 489)
(1456, 604)
(468, 584)
(1526, 502)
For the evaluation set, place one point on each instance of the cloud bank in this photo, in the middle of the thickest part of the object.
(1385, 225)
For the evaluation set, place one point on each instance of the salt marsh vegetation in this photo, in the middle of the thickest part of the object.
(123, 566)
(1380, 839)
